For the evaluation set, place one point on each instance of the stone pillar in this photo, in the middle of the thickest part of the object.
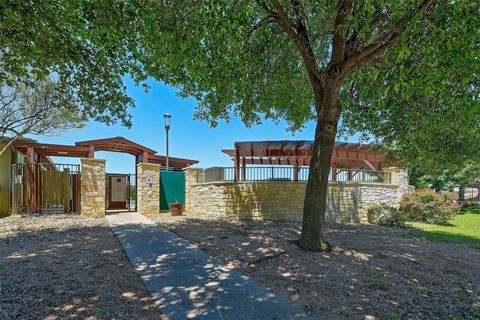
(92, 189)
(190, 179)
(399, 177)
(148, 189)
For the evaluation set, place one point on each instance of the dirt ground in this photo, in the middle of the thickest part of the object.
(373, 273)
(67, 267)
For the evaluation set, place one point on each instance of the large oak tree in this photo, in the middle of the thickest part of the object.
(303, 60)
(377, 66)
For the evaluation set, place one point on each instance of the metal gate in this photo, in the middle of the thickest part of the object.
(172, 188)
(132, 192)
(121, 192)
(45, 188)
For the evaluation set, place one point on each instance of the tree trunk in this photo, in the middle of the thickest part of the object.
(312, 237)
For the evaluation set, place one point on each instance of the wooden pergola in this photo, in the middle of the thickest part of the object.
(40, 152)
(298, 153)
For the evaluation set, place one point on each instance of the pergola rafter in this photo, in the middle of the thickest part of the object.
(345, 155)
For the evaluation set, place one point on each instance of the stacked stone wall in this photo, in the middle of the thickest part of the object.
(148, 189)
(92, 194)
(283, 201)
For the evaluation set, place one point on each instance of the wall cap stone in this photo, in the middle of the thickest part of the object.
(149, 165)
(366, 184)
(192, 169)
(390, 169)
(82, 160)
(346, 183)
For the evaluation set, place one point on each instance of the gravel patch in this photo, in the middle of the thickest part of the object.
(67, 267)
(373, 273)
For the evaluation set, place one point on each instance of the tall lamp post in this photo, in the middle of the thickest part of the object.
(167, 117)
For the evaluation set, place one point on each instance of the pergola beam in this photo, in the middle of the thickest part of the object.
(298, 153)
(86, 149)
(290, 152)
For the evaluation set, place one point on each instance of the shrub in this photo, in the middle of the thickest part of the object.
(429, 206)
(471, 205)
(385, 216)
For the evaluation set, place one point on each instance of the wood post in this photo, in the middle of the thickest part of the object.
(244, 169)
(145, 157)
(30, 155)
(91, 151)
(295, 171)
(236, 162)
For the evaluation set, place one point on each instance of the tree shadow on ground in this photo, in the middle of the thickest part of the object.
(373, 272)
(76, 271)
(188, 283)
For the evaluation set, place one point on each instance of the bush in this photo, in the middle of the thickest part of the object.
(428, 206)
(471, 205)
(385, 216)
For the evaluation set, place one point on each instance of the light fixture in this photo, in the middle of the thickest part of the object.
(166, 118)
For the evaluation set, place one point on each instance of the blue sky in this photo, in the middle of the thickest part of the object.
(189, 138)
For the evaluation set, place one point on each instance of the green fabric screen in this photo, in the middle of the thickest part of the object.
(172, 188)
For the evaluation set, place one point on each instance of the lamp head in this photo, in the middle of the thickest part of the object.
(167, 117)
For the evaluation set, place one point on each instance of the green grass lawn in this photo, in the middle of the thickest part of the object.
(465, 228)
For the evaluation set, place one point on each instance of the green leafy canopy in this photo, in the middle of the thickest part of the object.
(87, 46)
(445, 179)
(423, 96)
(418, 94)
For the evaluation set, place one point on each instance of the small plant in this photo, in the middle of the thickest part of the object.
(461, 296)
(475, 312)
(393, 316)
(385, 216)
(428, 206)
(382, 286)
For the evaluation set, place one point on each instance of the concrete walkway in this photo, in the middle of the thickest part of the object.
(187, 283)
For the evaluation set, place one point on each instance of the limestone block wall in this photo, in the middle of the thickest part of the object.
(283, 200)
(148, 189)
(399, 177)
(92, 187)
(190, 195)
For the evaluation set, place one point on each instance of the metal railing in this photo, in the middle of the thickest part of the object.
(283, 173)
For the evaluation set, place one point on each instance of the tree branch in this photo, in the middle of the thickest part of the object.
(17, 136)
(266, 8)
(338, 41)
(301, 41)
(265, 20)
(383, 42)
